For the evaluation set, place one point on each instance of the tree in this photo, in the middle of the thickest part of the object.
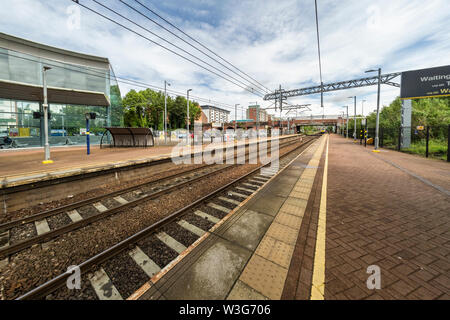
(431, 111)
(146, 109)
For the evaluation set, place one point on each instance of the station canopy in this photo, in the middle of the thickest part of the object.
(28, 92)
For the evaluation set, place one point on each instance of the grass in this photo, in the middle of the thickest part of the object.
(436, 148)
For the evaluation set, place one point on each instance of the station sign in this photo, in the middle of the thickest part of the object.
(425, 83)
(420, 128)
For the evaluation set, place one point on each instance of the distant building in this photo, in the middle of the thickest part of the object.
(202, 119)
(215, 114)
(254, 111)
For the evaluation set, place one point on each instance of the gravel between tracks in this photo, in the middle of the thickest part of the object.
(163, 170)
(58, 221)
(20, 233)
(34, 266)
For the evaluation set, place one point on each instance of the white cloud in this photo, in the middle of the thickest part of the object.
(273, 41)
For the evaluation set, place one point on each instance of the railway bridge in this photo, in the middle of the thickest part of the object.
(291, 122)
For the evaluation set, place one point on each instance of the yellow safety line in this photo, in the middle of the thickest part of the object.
(424, 97)
(318, 280)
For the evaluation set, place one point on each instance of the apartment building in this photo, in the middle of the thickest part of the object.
(215, 114)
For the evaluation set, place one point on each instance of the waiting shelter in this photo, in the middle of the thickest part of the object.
(127, 137)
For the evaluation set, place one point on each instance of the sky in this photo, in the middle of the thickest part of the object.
(272, 41)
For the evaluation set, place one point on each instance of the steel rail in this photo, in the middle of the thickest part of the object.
(111, 169)
(55, 283)
(21, 245)
(44, 214)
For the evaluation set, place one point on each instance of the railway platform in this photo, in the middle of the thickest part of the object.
(18, 167)
(340, 222)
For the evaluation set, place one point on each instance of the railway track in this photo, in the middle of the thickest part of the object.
(20, 234)
(119, 271)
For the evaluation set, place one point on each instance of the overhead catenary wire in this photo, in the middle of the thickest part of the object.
(131, 82)
(199, 43)
(318, 42)
(168, 42)
(320, 61)
(170, 50)
(253, 82)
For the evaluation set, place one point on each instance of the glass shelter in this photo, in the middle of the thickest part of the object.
(77, 84)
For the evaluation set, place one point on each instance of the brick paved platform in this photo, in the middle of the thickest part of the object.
(379, 214)
(434, 170)
(313, 231)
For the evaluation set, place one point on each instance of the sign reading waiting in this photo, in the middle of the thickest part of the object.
(425, 83)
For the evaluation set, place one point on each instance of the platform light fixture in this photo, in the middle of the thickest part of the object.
(45, 107)
(165, 110)
(346, 123)
(377, 125)
(354, 131)
(235, 118)
(187, 117)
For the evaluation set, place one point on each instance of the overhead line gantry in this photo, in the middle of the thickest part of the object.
(334, 86)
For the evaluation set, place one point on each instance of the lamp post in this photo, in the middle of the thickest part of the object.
(165, 110)
(235, 118)
(45, 106)
(346, 123)
(362, 107)
(354, 131)
(377, 125)
(188, 138)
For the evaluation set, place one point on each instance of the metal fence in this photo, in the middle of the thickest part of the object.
(428, 141)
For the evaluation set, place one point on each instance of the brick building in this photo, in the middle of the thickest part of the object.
(253, 111)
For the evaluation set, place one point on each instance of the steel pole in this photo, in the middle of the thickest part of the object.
(354, 131)
(188, 118)
(362, 107)
(321, 100)
(45, 106)
(377, 125)
(165, 112)
(88, 141)
(347, 122)
(235, 118)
